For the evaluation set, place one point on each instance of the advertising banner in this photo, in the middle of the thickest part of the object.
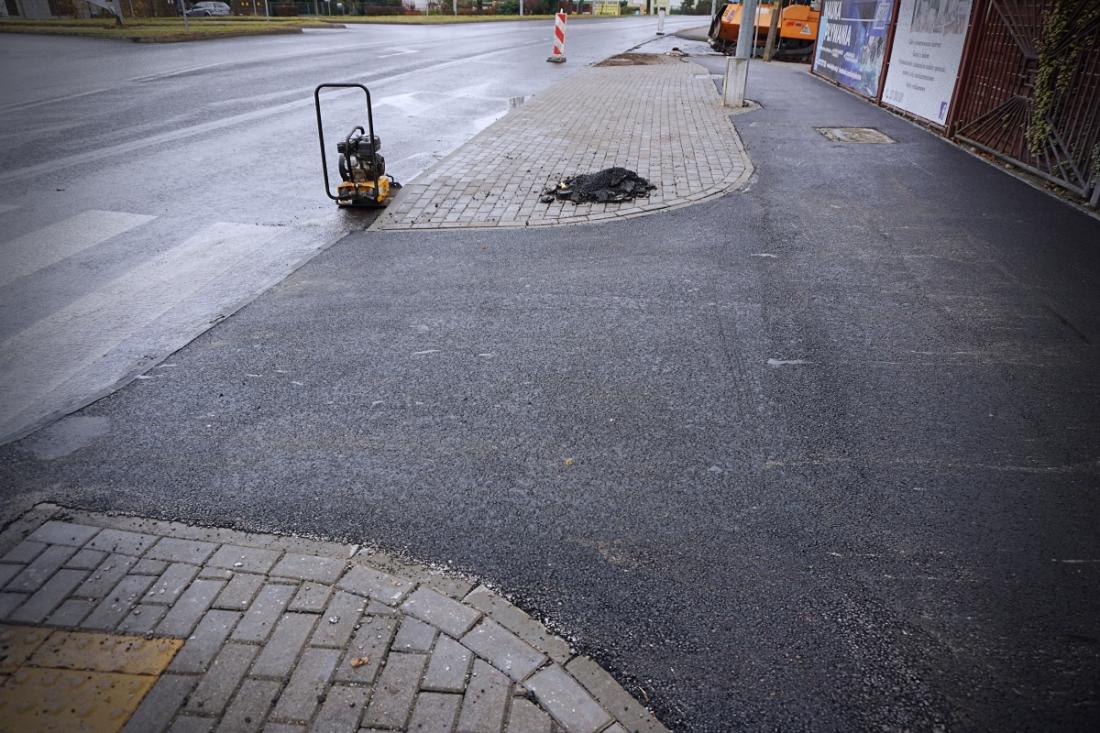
(851, 43)
(924, 62)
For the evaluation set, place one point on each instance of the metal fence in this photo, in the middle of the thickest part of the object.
(1029, 89)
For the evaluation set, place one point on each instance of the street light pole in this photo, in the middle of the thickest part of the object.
(746, 34)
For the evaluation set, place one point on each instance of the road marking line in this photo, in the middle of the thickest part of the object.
(408, 103)
(52, 244)
(35, 361)
(20, 106)
(304, 101)
(402, 52)
(260, 60)
(184, 71)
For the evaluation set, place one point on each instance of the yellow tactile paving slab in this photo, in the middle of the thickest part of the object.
(17, 644)
(72, 681)
(67, 701)
(105, 653)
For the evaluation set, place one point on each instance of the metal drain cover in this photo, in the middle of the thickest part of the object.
(855, 135)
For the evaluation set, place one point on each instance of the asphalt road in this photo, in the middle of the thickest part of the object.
(147, 191)
(834, 440)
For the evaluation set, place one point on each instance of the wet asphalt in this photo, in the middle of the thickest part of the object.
(819, 455)
(122, 165)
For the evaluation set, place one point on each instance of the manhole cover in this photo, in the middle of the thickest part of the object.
(855, 135)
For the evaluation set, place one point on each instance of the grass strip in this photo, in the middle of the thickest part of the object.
(163, 30)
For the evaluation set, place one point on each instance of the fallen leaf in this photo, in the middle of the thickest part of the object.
(569, 461)
(359, 662)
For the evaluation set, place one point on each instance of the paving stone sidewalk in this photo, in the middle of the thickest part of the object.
(289, 634)
(663, 119)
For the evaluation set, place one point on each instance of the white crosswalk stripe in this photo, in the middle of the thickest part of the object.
(52, 244)
(85, 347)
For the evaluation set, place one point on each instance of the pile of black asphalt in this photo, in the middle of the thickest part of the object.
(821, 455)
(610, 185)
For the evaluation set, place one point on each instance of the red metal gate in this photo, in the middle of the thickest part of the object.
(1030, 88)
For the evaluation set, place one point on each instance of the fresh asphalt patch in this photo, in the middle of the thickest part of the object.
(608, 185)
(818, 456)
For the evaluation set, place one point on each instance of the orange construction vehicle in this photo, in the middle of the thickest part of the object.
(797, 27)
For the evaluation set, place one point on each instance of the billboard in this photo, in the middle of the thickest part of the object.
(924, 62)
(851, 43)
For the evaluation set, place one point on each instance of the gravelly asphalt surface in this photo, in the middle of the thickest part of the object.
(833, 440)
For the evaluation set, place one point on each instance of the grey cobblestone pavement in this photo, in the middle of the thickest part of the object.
(291, 634)
(663, 119)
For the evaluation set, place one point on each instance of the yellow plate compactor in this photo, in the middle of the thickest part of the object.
(363, 178)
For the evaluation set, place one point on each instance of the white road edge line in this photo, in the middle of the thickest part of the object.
(49, 245)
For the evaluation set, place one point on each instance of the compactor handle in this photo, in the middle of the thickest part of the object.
(321, 130)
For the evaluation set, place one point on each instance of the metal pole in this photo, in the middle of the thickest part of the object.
(755, 25)
(454, 6)
(746, 34)
(890, 31)
(773, 29)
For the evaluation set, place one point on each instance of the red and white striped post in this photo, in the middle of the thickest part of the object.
(558, 56)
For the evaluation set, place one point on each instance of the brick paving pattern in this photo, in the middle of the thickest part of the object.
(664, 120)
(280, 633)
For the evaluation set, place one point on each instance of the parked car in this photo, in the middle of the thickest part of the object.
(208, 9)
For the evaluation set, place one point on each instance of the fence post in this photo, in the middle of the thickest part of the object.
(891, 30)
(977, 15)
